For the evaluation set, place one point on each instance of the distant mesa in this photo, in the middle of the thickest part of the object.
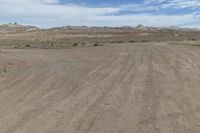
(15, 27)
(15, 24)
(140, 26)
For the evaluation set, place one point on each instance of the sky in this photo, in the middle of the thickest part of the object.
(55, 13)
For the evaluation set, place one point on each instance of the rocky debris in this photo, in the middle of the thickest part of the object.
(3, 69)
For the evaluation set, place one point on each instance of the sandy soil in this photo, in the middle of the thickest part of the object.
(129, 88)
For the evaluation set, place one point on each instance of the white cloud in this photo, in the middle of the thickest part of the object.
(154, 1)
(52, 1)
(177, 4)
(43, 11)
(149, 20)
(49, 13)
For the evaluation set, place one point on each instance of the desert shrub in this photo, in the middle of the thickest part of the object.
(111, 41)
(3, 69)
(196, 45)
(75, 44)
(52, 44)
(193, 39)
(119, 41)
(83, 43)
(96, 44)
(116, 41)
(143, 41)
(132, 41)
(27, 45)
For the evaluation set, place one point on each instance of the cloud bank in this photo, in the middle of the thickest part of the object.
(49, 13)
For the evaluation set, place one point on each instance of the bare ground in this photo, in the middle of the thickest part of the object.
(129, 88)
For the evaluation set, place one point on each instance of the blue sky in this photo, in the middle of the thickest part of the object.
(50, 13)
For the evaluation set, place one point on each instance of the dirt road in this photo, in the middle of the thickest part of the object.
(128, 88)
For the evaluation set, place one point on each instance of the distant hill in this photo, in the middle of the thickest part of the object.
(14, 27)
(118, 29)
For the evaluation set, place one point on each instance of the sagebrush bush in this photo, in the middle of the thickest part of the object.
(132, 41)
(75, 44)
(96, 44)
